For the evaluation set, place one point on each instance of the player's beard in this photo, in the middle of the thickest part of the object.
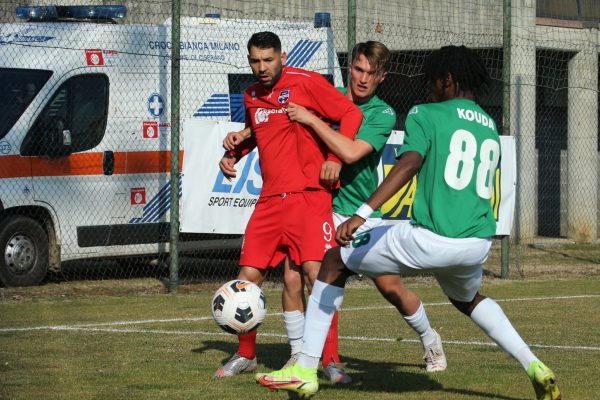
(274, 77)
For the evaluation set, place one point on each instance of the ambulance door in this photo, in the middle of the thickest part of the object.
(18, 88)
(148, 157)
(23, 241)
(74, 171)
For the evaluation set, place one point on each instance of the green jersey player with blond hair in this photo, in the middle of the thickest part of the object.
(453, 146)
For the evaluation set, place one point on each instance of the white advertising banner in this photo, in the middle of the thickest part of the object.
(505, 211)
(212, 204)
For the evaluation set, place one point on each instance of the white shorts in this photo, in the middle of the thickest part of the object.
(369, 224)
(405, 249)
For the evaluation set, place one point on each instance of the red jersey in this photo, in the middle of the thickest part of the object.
(291, 154)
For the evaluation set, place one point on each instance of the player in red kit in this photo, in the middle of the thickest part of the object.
(293, 215)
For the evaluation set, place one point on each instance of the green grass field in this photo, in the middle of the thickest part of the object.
(68, 341)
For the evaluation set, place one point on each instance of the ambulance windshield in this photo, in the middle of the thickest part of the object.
(18, 87)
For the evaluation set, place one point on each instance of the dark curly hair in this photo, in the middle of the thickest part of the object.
(265, 40)
(465, 66)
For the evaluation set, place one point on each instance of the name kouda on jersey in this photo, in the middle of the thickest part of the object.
(472, 115)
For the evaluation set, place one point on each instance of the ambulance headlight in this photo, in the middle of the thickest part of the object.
(36, 13)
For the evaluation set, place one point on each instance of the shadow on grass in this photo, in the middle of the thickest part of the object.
(367, 376)
(191, 269)
(564, 254)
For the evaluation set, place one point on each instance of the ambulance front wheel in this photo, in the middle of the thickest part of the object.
(24, 244)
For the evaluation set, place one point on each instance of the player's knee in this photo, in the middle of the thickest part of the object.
(391, 294)
(467, 307)
(292, 281)
(310, 270)
(399, 298)
(251, 274)
(332, 267)
(333, 260)
(461, 306)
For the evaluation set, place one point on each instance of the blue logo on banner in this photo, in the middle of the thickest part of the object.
(302, 52)
(223, 105)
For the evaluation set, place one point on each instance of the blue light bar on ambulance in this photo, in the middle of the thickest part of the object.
(322, 20)
(112, 12)
(53, 13)
(37, 13)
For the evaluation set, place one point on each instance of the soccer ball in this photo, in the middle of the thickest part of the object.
(239, 306)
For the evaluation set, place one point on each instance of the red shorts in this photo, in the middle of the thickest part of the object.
(296, 224)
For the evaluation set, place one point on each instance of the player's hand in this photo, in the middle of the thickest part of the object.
(330, 173)
(300, 114)
(227, 166)
(345, 232)
(233, 139)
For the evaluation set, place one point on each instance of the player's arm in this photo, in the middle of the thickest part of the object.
(347, 149)
(407, 166)
(331, 104)
(330, 173)
(415, 148)
(226, 165)
(238, 151)
(234, 138)
(231, 157)
(351, 117)
(245, 146)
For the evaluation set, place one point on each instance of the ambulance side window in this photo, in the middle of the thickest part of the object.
(18, 88)
(73, 120)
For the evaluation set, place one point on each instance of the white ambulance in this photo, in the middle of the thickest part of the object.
(85, 131)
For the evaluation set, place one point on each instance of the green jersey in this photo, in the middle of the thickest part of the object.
(359, 180)
(461, 149)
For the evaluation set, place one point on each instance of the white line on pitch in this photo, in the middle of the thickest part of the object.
(277, 335)
(195, 319)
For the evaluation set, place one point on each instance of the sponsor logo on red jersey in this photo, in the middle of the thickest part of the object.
(284, 96)
(262, 114)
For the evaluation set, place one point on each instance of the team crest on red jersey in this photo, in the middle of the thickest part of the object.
(284, 96)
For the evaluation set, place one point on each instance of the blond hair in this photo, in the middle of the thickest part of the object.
(376, 53)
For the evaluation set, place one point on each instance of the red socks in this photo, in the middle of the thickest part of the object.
(330, 351)
(247, 346)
